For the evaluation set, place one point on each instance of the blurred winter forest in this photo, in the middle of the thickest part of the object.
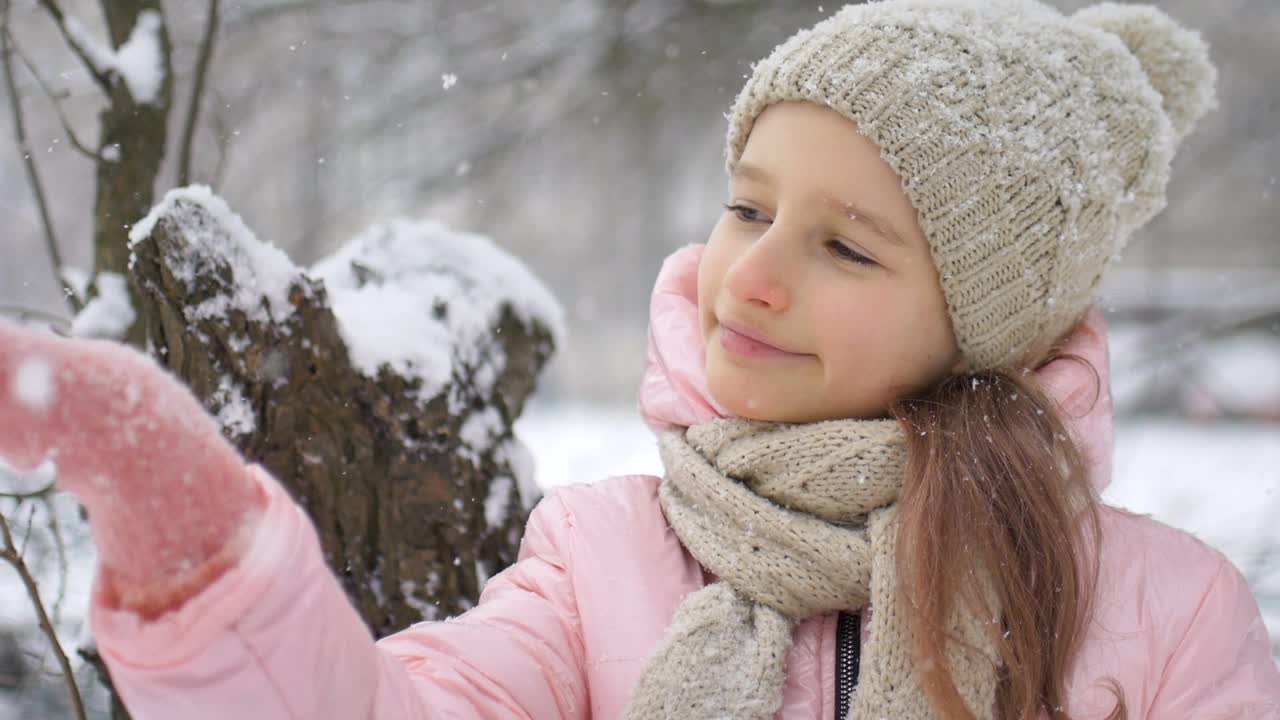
(586, 138)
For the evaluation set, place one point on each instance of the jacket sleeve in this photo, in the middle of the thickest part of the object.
(1222, 667)
(275, 637)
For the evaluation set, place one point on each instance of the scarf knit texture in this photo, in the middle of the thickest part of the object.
(794, 521)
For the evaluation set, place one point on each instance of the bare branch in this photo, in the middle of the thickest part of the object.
(100, 77)
(197, 92)
(64, 568)
(54, 99)
(222, 133)
(26, 536)
(28, 158)
(9, 554)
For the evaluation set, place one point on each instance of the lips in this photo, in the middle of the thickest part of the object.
(743, 340)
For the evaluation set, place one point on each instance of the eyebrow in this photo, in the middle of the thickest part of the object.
(850, 210)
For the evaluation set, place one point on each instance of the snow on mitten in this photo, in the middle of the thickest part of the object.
(170, 501)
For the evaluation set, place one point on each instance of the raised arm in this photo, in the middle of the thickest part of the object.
(213, 599)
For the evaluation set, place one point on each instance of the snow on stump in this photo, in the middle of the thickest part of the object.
(380, 386)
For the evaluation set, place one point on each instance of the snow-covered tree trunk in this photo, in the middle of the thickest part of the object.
(379, 386)
(136, 73)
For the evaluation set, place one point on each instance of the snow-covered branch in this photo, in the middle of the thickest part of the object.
(138, 62)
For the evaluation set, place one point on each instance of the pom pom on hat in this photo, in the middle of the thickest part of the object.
(1175, 59)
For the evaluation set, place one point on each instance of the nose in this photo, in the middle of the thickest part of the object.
(758, 276)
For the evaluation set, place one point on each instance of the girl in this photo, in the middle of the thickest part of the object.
(880, 491)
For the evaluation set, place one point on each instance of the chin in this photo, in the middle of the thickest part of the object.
(763, 410)
(757, 413)
(793, 413)
(727, 383)
(727, 390)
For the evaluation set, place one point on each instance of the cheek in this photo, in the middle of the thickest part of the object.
(929, 325)
(914, 335)
(850, 332)
(711, 271)
(706, 296)
(869, 334)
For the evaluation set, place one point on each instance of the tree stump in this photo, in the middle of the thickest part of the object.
(403, 455)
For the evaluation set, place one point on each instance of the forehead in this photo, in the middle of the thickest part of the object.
(820, 154)
(816, 138)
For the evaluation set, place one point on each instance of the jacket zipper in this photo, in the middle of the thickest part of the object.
(848, 655)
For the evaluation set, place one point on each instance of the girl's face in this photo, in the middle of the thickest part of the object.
(816, 293)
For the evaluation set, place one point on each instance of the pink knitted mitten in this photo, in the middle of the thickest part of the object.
(170, 501)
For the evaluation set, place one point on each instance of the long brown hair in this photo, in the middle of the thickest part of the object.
(996, 488)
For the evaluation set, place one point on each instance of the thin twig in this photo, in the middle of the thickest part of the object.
(100, 77)
(222, 133)
(26, 536)
(64, 568)
(28, 157)
(9, 554)
(53, 98)
(197, 92)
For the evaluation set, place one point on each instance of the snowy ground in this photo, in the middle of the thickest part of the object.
(1219, 481)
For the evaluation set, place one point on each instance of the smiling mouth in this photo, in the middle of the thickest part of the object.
(738, 342)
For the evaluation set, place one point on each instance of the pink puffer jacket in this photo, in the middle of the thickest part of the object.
(565, 632)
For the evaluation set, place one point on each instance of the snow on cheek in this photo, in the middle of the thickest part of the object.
(33, 384)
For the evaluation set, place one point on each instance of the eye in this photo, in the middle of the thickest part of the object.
(844, 252)
(745, 214)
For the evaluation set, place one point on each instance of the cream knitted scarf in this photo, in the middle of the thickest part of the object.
(795, 521)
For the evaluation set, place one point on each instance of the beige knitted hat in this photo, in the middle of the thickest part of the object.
(1032, 144)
